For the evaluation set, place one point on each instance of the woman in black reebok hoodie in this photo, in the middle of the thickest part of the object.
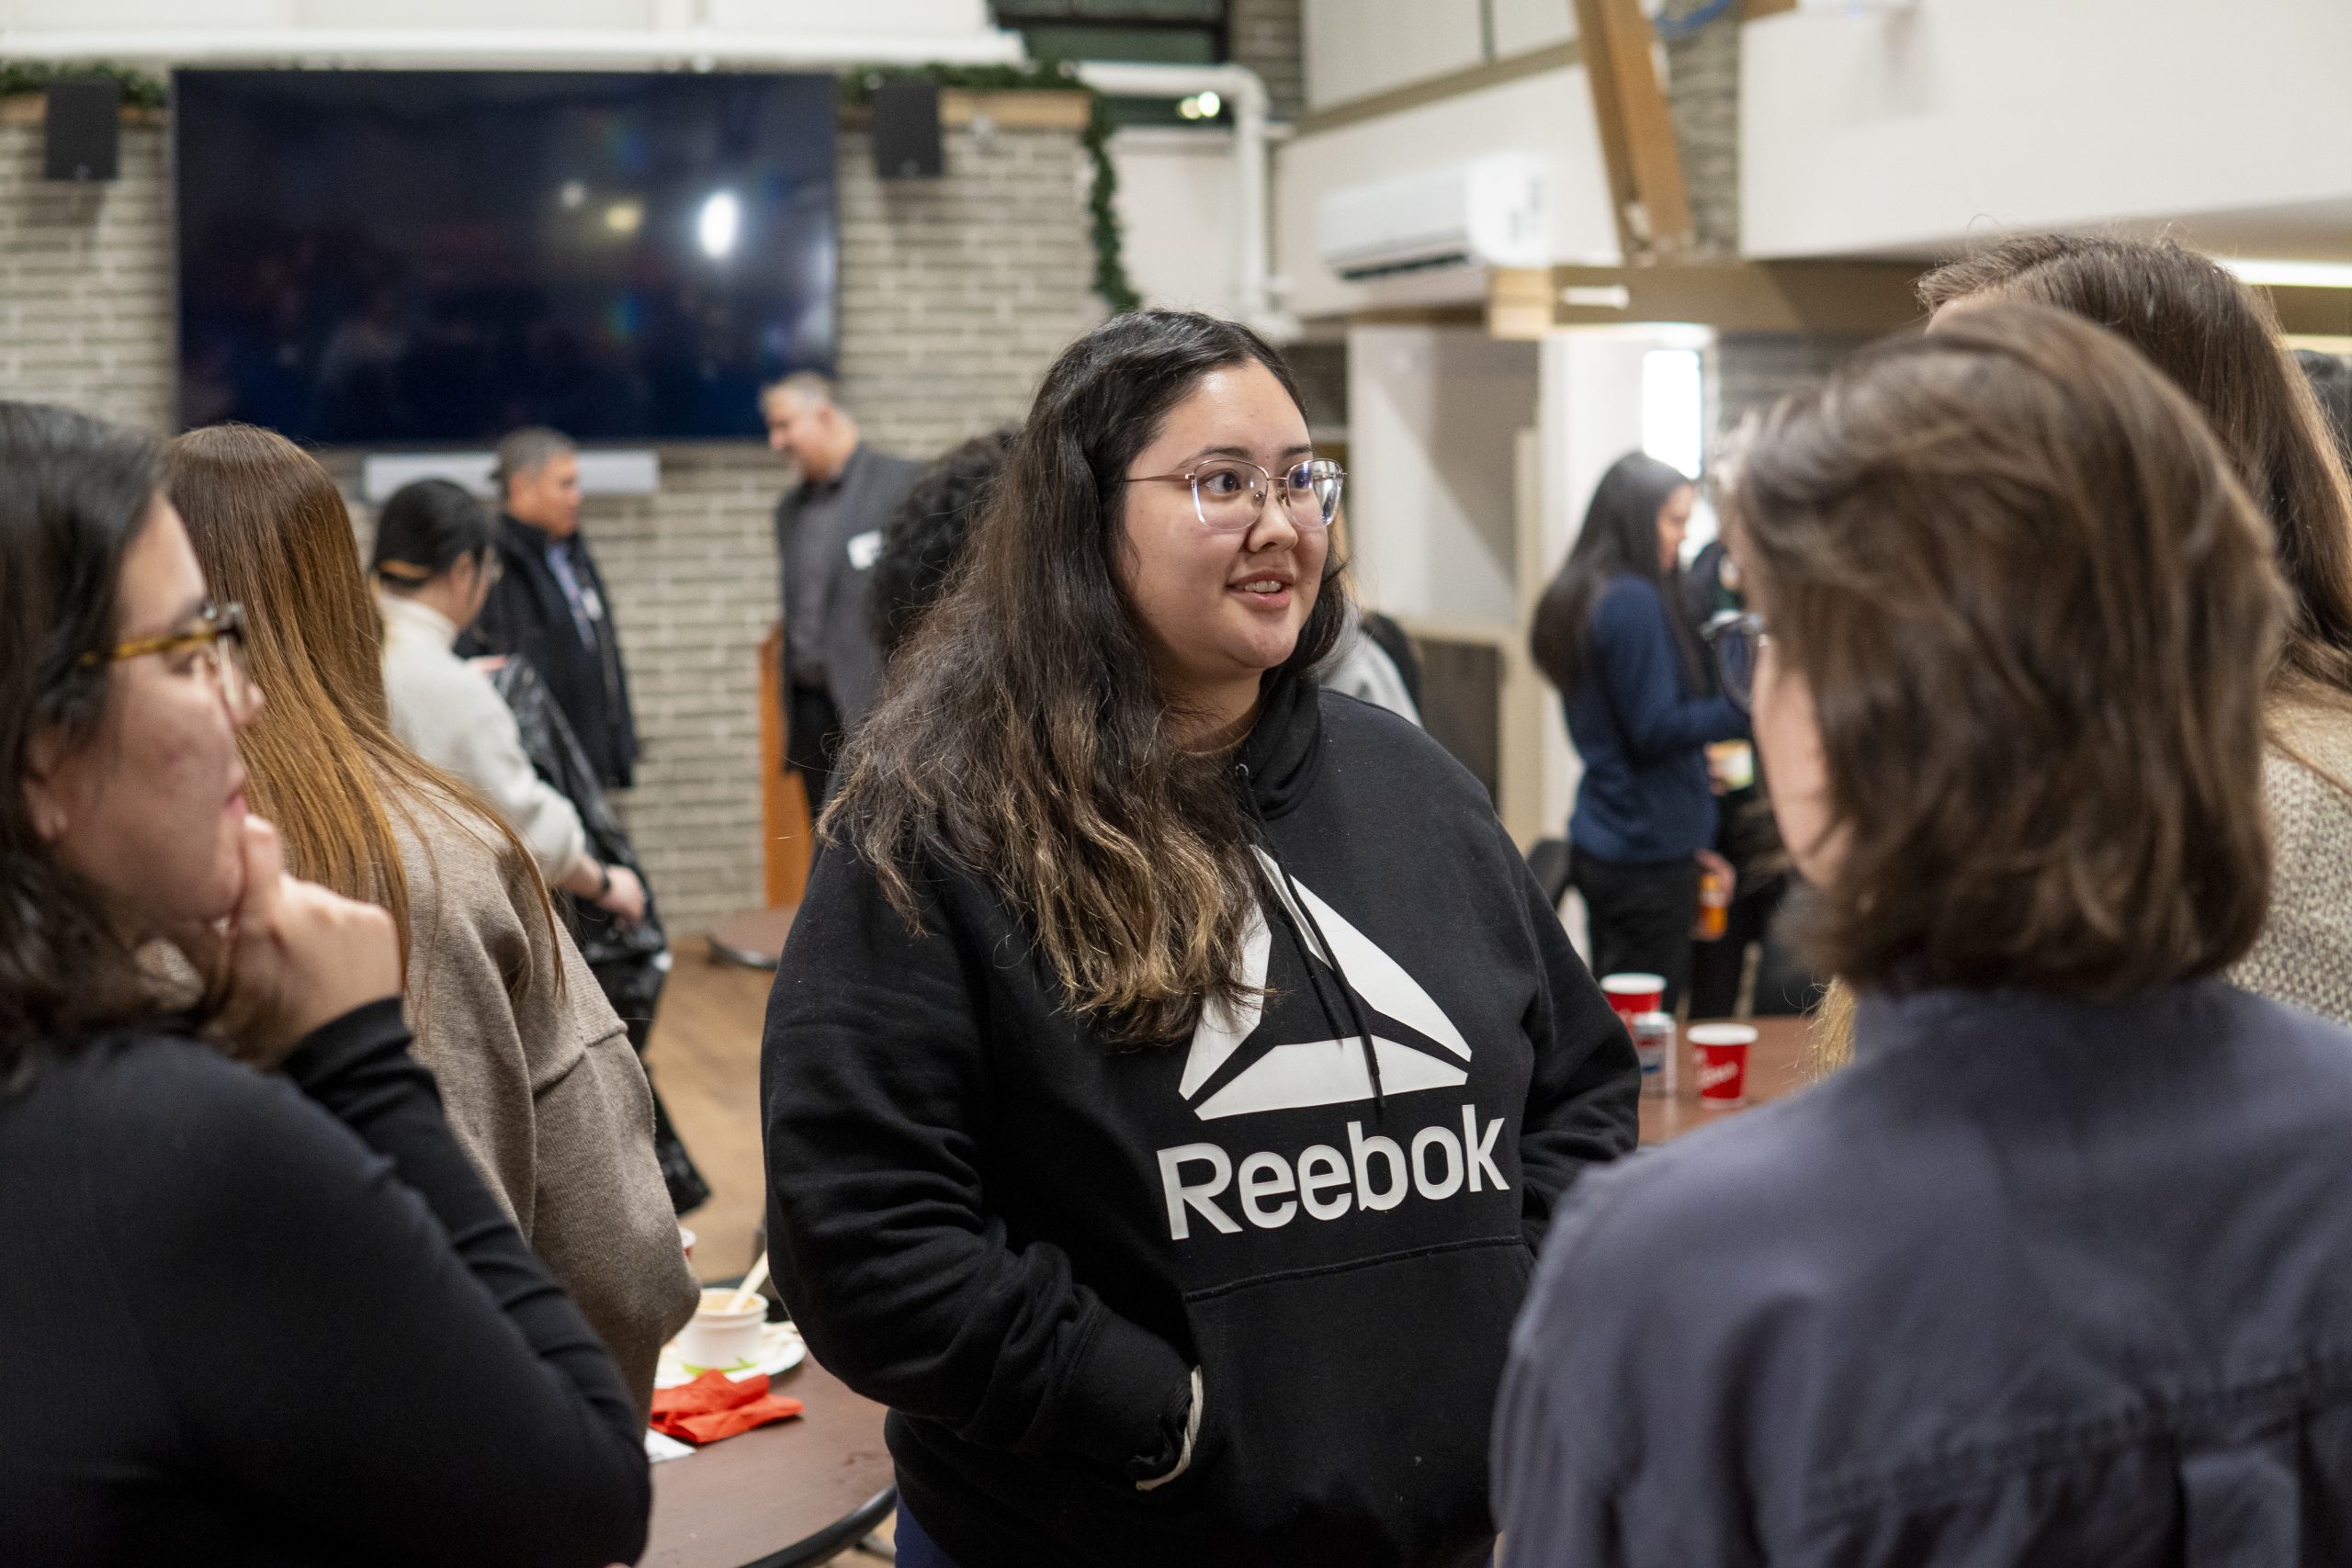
(1173, 1068)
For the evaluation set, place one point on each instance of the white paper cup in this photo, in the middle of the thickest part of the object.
(719, 1337)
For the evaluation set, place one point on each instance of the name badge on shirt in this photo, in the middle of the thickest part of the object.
(864, 549)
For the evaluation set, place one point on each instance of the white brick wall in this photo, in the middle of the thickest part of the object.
(85, 282)
(955, 295)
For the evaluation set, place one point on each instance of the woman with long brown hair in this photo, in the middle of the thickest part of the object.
(259, 1309)
(1172, 1066)
(535, 1069)
(2219, 344)
(2056, 1270)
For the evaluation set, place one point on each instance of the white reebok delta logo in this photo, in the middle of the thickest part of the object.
(1271, 1075)
(1238, 1065)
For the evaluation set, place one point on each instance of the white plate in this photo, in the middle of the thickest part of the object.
(780, 1351)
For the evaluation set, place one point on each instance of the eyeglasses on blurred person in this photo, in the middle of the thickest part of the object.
(259, 1308)
(2051, 1273)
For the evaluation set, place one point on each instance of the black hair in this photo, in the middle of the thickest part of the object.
(79, 493)
(1619, 538)
(925, 538)
(426, 528)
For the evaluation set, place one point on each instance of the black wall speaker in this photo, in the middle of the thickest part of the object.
(906, 132)
(84, 124)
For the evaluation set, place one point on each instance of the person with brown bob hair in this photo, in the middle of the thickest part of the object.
(2053, 1271)
(535, 1069)
(2218, 341)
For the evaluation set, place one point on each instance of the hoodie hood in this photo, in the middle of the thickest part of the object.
(1285, 749)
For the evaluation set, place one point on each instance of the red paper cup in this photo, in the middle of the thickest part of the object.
(1721, 1053)
(1634, 995)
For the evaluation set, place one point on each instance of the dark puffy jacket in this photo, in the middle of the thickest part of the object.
(2032, 1282)
(556, 755)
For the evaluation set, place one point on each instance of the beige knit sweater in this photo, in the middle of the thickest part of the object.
(2303, 956)
(544, 1093)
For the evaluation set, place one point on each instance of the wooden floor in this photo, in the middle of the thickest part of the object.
(705, 1053)
(705, 1057)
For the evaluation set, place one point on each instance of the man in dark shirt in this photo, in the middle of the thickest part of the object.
(828, 534)
(549, 606)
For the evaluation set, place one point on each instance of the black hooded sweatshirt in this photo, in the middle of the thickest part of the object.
(1023, 1241)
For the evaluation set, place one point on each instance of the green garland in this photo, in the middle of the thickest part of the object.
(141, 90)
(21, 76)
(1111, 280)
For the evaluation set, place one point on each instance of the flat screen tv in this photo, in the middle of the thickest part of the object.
(435, 257)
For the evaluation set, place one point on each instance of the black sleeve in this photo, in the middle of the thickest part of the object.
(1583, 1103)
(875, 1079)
(353, 1337)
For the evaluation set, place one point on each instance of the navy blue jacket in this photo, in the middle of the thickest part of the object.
(2032, 1281)
(1643, 735)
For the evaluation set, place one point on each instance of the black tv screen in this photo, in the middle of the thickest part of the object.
(378, 257)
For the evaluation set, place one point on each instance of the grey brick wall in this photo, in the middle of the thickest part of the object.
(955, 295)
(1264, 36)
(1702, 95)
(1754, 370)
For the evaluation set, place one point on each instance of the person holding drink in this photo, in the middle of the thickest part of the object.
(2053, 1271)
(260, 1305)
(1609, 635)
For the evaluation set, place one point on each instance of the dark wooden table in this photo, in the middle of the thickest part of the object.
(1776, 1065)
(774, 1494)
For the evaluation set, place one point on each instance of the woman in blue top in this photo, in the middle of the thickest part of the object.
(1606, 634)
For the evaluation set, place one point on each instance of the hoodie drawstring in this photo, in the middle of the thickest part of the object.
(1298, 900)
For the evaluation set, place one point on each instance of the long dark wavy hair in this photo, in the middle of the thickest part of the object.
(1619, 538)
(79, 493)
(1024, 739)
(2218, 341)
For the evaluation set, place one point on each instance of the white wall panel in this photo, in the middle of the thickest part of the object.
(1176, 208)
(1524, 25)
(1359, 48)
(1907, 132)
(1433, 420)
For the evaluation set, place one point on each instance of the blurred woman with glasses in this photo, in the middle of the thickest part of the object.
(535, 1069)
(1607, 636)
(2057, 1270)
(260, 1308)
(1169, 1057)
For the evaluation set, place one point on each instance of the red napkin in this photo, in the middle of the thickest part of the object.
(714, 1405)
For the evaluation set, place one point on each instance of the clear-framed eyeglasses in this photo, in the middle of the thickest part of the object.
(1736, 638)
(1229, 493)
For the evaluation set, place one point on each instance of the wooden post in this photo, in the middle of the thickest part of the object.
(1637, 143)
(787, 830)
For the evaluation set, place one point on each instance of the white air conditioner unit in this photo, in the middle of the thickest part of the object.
(1489, 211)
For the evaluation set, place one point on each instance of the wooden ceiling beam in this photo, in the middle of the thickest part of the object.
(1637, 145)
(1863, 299)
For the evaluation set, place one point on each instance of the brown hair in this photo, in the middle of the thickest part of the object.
(2033, 604)
(1026, 738)
(272, 532)
(2218, 341)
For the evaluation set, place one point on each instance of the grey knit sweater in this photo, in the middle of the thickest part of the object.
(2305, 954)
(543, 1091)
